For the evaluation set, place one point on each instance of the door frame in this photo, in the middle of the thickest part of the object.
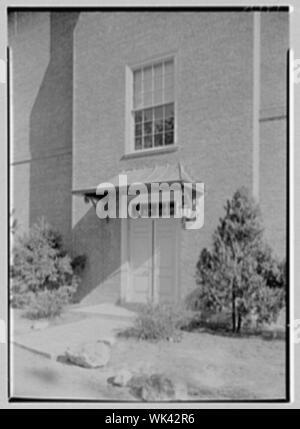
(126, 274)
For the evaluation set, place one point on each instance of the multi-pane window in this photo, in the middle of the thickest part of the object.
(153, 105)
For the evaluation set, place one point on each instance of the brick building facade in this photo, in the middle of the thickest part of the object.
(73, 80)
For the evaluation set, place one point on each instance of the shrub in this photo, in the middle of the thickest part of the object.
(48, 303)
(39, 260)
(42, 273)
(78, 264)
(239, 275)
(157, 322)
(19, 296)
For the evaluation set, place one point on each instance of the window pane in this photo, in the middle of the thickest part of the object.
(169, 138)
(158, 140)
(158, 83)
(138, 129)
(158, 76)
(148, 141)
(169, 124)
(147, 115)
(154, 85)
(168, 95)
(158, 112)
(147, 82)
(137, 102)
(137, 81)
(169, 110)
(138, 143)
(138, 116)
(148, 98)
(158, 126)
(147, 127)
(169, 80)
(158, 99)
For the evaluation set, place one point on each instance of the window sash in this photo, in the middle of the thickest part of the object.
(154, 127)
(153, 105)
(153, 84)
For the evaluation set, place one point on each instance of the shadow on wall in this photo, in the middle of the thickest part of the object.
(100, 241)
(51, 170)
(51, 131)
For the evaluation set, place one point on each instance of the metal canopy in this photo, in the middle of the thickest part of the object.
(167, 173)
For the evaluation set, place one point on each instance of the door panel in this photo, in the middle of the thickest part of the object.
(141, 259)
(153, 261)
(165, 257)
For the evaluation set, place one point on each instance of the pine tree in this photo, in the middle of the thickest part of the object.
(234, 275)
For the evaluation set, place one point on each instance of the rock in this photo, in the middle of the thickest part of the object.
(91, 355)
(40, 324)
(136, 383)
(157, 387)
(110, 340)
(121, 379)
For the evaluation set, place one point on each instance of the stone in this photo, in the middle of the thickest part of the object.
(121, 379)
(91, 355)
(110, 340)
(156, 387)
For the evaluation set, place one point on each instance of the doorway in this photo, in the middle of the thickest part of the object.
(153, 265)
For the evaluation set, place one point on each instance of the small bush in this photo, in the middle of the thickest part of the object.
(44, 278)
(40, 261)
(48, 303)
(158, 322)
(19, 296)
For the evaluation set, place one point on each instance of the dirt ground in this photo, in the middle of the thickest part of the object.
(211, 366)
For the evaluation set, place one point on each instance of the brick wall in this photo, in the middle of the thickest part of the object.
(41, 46)
(69, 121)
(213, 95)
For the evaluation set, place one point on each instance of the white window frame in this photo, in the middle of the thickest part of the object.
(129, 117)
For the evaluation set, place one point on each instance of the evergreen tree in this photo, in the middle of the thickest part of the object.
(237, 275)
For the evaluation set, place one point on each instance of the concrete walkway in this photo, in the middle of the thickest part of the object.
(103, 323)
(106, 310)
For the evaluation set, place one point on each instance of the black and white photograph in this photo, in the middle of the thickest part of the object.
(148, 156)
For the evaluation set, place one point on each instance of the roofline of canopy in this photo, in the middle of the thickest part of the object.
(183, 177)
